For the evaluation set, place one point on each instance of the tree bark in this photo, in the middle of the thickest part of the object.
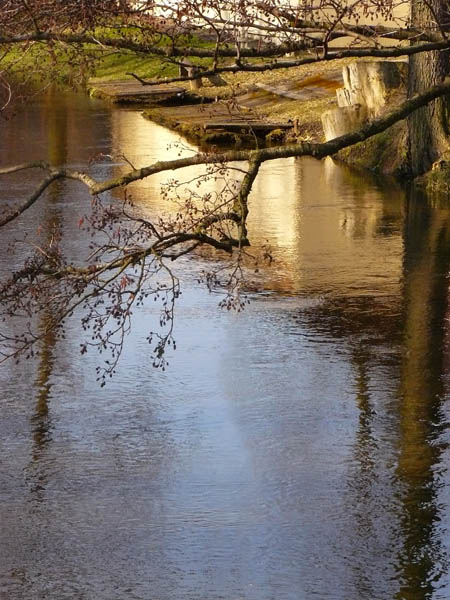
(429, 126)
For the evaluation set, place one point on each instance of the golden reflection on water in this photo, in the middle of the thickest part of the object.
(330, 231)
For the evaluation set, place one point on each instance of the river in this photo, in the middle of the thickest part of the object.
(297, 450)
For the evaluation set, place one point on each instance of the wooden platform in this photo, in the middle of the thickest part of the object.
(217, 115)
(133, 92)
(240, 125)
(196, 122)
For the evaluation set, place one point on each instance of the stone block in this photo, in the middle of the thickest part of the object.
(372, 83)
(342, 120)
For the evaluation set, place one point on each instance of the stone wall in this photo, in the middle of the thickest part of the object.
(370, 87)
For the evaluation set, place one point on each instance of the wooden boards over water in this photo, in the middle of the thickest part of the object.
(215, 122)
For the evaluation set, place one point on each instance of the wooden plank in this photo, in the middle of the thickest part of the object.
(249, 125)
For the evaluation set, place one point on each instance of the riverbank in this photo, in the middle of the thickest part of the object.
(286, 97)
(248, 109)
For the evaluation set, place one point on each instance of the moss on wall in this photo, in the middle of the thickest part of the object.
(385, 153)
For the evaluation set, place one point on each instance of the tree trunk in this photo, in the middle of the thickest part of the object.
(428, 127)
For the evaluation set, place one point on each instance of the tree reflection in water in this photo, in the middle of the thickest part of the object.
(423, 558)
(50, 226)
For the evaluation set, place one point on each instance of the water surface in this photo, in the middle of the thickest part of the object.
(296, 450)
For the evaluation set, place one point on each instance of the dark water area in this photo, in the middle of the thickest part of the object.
(296, 450)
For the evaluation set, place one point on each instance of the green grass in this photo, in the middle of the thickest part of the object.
(39, 65)
(118, 65)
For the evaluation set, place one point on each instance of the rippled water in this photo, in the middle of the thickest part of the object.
(297, 450)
